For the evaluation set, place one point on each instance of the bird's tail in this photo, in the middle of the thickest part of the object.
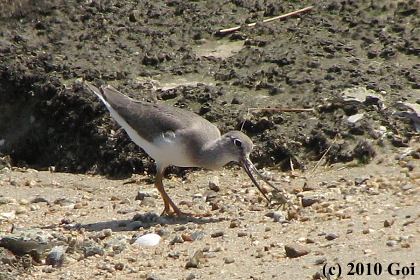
(98, 93)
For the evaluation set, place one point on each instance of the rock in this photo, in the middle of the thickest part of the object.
(21, 210)
(40, 199)
(91, 248)
(388, 223)
(107, 232)
(163, 232)
(309, 200)
(391, 243)
(107, 267)
(211, 196)
(23, 201)
(28, 241)
(56, 256)
(119, 266)
(117, 244)
(360, 180)
(195, 261)
(235, 223)
(296, 250)
(407, 187)
(320, 261)
(217, 234)
(368, 231)
(5, 200)
(242, 234)
(331, 236)
(197, 235)
(174, 255)
(187, 237)
(177, 239)
(180, 228)
(229, 260)
(78, 206)
(214, 184)
(310, 240)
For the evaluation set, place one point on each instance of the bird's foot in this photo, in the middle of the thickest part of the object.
(181, 214)
(176, 212)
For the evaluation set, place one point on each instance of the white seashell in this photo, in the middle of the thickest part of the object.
(151, 239)
(8, 215)
(355, 118)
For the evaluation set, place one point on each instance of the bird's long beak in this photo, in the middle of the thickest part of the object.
(248, 167)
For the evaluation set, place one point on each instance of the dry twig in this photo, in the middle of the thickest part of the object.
(236, 28)
(325, 153)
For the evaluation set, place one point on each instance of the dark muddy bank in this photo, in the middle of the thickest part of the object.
(48, 119)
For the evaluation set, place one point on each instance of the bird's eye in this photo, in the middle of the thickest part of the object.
(238, 143)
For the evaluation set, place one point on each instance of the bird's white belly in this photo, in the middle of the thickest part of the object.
(169, 151)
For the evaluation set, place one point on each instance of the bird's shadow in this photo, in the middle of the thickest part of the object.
(150, 220)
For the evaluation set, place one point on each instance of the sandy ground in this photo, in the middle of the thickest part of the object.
(375, 222)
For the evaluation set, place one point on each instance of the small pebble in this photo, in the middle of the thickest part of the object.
(197, 235)
(296, 250)
(23, 201)
(5, 200)
(391, 243)
(388, 223)
(217, 234)
(107, 232)
(331, 236)
(56, 256)
(320, 261)
(21, 210)
(235, 223)
(177, 240)
(174, 255)
(151, 263)
(392, 237)
(309, 200)
(180, 228)
(405, 245)
(368, 231)
(197, 258)
(242, 234)
(39, 199)
(214, 184)
(78, 206)
(34, 207)
(187, 237)
(229, 260)
(119, 266)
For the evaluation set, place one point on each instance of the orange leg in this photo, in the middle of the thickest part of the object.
(166, 199)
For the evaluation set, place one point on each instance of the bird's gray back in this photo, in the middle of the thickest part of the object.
(152, 120)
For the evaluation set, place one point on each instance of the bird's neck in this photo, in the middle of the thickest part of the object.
(213, 155)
